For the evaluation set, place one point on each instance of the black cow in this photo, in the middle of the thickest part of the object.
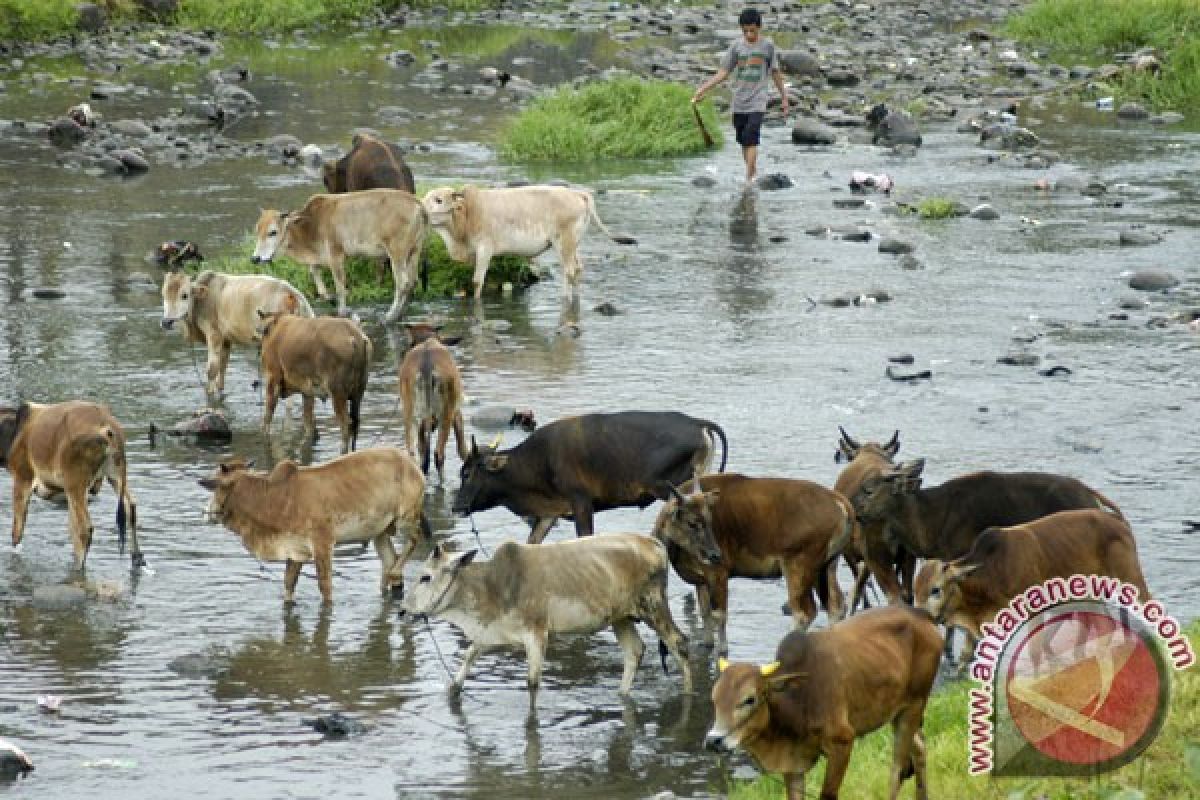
(944, 521)
(892, 127)
(370, 164)
(579, 465)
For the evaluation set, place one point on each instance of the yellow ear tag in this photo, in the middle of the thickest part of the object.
(496, 442)
(768, 670)
(722, 664)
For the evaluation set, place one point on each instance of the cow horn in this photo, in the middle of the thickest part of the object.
(847, 440)
(893, 444)
(767, 670)
(474, 446)
(722, 665)
(496, 442)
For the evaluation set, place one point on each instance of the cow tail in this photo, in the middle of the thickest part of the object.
(1107, 504)
(713, 427)
(362, 361)
(849, 527)
(591, 206)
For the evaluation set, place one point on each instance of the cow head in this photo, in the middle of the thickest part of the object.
(419, 332)
(878, 497)
(333, 175)
(179, 294)
(436, 581)
(175, 254)
(848, 448)
(740, 702)
(686, 521)
(482, 478)
(267, 320)
(11, 422)
(442, 204)
(876, 115)
(270, 234)
(221, 483)
(937, 586)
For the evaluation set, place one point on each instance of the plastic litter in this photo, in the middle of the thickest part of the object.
(49, 703)
(111, 763)
(861, 181)
(1104, 104)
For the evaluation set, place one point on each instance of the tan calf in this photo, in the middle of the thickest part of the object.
(374, 222)
(219, 310)
(731, 526)
(298, 514)
(477, 224)
(69, 449)
(825, 690)
(322, 357)
(431, 391)
(1004, 562)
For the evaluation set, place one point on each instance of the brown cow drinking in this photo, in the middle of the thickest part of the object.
(68, 449)
(825, 690)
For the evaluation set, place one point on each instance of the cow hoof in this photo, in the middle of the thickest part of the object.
(397, 591)
(138, 560)
(786, 610)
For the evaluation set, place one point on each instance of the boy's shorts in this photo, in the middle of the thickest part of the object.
(746, 128)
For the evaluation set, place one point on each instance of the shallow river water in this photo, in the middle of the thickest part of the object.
(717, 322)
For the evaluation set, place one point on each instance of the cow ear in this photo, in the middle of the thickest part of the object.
(767, 670)
(956, 572)
(290, 304)
(464, 559)
(437, 552)
(199, 292)
(208, 483)
(710, 498)
(495, 463)
(893, 446)
(224, 468)
(722, 665)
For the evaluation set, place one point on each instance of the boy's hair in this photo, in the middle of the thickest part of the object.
(750, 17)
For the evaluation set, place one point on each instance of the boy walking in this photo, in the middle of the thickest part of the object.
(751, 61)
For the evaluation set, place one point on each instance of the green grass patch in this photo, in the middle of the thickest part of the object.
(253, 16)
(446, 276)
(41, 19)
(937, 208)
(1093, 31)
(1169, 769)
(619, 118)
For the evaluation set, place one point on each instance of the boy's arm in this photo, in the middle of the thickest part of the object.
(721, 75)
(777, 76)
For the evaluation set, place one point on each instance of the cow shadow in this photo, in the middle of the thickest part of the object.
(300, 666)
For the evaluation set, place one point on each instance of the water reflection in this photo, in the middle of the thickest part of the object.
(745, 263)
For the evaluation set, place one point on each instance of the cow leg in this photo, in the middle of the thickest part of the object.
(341, 413)
(214, 370)
(541, 526)
(657, 614)
(386, 550)
(439, 454)
(858, 593)
(793, 784)
(908, 567)
(80, 523)
(918, 765)
(719, 596)
(879, 561)
(835, 598)
(704, 602)
(634, 647)
(338, 267)
(535, 653)
(324, 562)
(837, 758)
(460, 437)
(22, 489)
(404, 277)
(581, 509)
(272, 399)
(315, 271)
(800, 593)
(905, 727)
(308, 414)
(567, 249)
(423, 445)
(469, 657)
(483, 259)
(291, 574)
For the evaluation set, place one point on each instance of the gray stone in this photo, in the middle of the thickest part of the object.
(1138, 237)
(774, 182)
(1133, 111)
(228, 94)
(1152, 280)
(910, 262)
(92, 17)
(58, 598)
(798, 62)
(985, 212)
(812, 132)
(1019, 359)
(1132, 302)
(841, 78)
(132, 127)
(132, 160)
(493, 418)
(210, 664)
(1167, 118)
(895, 246)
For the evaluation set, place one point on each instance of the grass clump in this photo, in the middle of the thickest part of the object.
(1170, 767)
(40, 19)
(254, 16)
(937, 208)
(1096, 30)
(618, 118)
(446, 277)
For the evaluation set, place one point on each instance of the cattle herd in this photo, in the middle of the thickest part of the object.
(985, 536)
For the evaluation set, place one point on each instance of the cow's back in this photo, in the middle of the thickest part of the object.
(970, 503)
(771, 516)
(51, 431)
(327, 350)
(619, 443)
(372, 164)
(358, 222)
(489, 212)
(233, 301)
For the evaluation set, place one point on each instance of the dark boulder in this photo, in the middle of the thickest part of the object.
(812, 132)
(1152, 280)
(891, 128)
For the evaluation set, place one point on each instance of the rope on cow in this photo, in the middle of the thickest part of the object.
(478, 540)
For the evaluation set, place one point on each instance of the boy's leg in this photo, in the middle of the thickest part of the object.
(750, 156)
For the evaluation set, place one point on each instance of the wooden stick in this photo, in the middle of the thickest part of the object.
(708, 140)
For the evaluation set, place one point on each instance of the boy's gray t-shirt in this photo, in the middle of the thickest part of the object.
(749, 67)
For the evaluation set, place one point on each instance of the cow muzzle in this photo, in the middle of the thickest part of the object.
(712, 557)
(167, 323)
(717, 743)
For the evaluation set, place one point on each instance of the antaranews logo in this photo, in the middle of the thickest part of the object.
(1074, 679)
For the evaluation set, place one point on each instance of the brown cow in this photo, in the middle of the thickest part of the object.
(825, 690)
(219, 310)
(68, 449)
(733, 526)
(873, 553)
(329, 227)
(298, 514)
(431, 391)
(323, 357)
(1004, 562)
(529, 591)
(370, 164)
(477, 224)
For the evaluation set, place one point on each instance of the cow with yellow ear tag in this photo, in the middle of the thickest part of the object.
(824, 690)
